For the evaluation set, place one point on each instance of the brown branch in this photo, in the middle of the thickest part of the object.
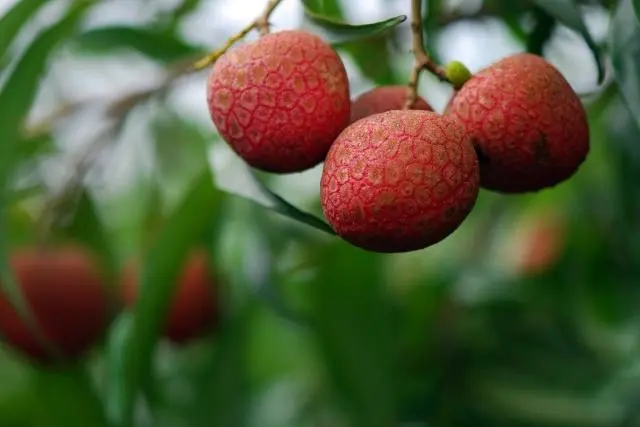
(261, 24)
(422, 59)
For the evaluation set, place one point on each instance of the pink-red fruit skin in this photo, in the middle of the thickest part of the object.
(280, 101)
(528, 125)
(194, 310)
(381, 99)
(399, 181)
(65, 294)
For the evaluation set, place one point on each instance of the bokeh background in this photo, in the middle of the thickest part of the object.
(526, 316)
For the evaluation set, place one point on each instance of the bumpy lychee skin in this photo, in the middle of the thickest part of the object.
(381, 99)
(399, 181)
(528, 125)
(194, 310)
(280, 101)
(66, 295)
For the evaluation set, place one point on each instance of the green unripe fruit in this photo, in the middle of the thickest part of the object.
(457, 73)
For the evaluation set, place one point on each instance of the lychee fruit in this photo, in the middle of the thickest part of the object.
(538, 242)
(399, 181)
(65, 294)
(528, 125)
(193, 311)
(280, 101)
(381, 99)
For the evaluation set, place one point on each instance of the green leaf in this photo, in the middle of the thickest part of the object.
(157, 284)
(542, 31)
(221, 399)
(88, 228)
(16, 97)
(568, 13)
(338, 31)
(636, 7)
(160, 46)
(352, 323)
(235, 177)
(625, 55)
(67, 398)
(12, 21)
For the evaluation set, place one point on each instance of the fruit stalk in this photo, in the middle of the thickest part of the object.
(422, 59)
(261, 23)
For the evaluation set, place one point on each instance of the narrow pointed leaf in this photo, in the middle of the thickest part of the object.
(235, 177)
(625, 56)
(157, 45)
(338, 31)
(157, 284)
(12, 21)
(568, 13)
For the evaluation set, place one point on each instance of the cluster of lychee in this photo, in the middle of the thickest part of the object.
(396, 179)
(69, 307)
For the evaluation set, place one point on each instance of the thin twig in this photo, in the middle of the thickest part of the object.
(261, 24)
(422, 59)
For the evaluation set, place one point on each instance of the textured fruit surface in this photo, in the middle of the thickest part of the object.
(280, 101)
(399, 181)
(65, 293)
(381, 99)
(529, 126)
(193, 311)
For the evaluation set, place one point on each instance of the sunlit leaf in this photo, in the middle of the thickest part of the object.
(568, 13)
(12, 21)
(157, 284)
(160, 46)
(338, 31)
(625, 55)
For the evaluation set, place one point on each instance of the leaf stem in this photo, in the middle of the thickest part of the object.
(422, 59)
(261, 23)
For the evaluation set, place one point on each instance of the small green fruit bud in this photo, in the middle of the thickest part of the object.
(457, 73)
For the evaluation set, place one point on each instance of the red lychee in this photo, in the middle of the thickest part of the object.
(539, 241)
(381, 99)
(65, 293)
(194, 310)
(528, 125)
(280, 101)
(399, 181)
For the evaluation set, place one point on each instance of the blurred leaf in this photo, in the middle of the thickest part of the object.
(157, 284)
(542, 31)
(339, 31)
(221, 401)
(351, 320)
(180, 151)
(636, 7)
(235, 177)
(12, 21)
(16, 97)
(157, 45)
(116, 388)
(625, 55)
(87, 227)
(67, 398)
(568, 13)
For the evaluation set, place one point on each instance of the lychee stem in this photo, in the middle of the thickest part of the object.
(422, 59)
(261, 23)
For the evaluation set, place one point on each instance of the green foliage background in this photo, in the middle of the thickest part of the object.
(316, 332)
